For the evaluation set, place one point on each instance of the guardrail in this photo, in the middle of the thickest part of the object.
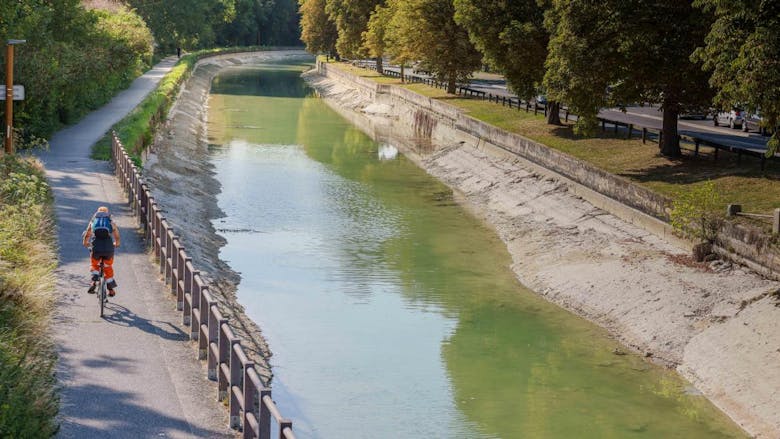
(736, 210)
(249, 401)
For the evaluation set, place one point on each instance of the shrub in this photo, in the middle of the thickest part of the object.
(696, 212)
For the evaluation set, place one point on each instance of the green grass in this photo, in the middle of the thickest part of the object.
(28, 402)
(758, 191)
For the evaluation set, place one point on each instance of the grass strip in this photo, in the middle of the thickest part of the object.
(28, 401)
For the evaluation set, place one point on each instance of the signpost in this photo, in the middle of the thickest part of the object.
(9, 90)
(18, 93)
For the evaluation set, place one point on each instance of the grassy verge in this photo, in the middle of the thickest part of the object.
(137, 129)
(28, 402)
(745, 183)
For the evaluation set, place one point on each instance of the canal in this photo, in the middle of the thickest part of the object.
(391, 311)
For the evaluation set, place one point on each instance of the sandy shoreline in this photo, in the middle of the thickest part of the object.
(716, 323)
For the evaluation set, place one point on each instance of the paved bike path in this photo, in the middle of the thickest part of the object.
(134, 373)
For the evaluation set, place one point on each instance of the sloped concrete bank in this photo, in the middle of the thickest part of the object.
(717, 323)
(178, 170)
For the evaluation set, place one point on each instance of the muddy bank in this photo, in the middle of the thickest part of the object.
(178, 170)
(716, 323)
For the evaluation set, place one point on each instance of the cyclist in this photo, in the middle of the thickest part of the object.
(99, 233)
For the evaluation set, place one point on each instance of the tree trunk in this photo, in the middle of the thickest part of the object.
(452, 85)
(670, 146)
(553, 112)
(403, 76)
(379, 67)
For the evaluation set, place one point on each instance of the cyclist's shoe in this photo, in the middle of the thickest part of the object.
(111, 292)
(92, 288)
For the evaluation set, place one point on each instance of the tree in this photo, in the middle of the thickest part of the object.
(513, 39)
(375, 36)
(318, 31)
(743, 52)
(351, 18)
(426, 30)
(639, 50)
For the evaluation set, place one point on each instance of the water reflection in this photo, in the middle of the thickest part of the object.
(390, 310)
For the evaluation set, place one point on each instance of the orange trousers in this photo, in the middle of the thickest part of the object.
(108, 269)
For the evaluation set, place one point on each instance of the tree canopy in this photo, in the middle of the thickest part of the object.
(351, 18)
(616, 52)
(318, 31)
(743, 52)
(426, 30)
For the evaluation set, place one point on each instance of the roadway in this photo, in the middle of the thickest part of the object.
(134, 373)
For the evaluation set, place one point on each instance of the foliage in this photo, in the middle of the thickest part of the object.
(28, 403)
(374, 37)
(74, 60)
(743, 50)
(426, 30)
(696, 212)
(615, 52)
(351, 19)
(512, 37)
(318, 31)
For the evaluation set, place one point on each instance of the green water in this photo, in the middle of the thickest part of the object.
(390, 310)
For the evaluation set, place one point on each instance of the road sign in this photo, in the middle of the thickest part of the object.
(18, 93)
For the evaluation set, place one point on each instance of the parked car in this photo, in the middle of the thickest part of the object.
(753, 122)
(700, 114)
(734, 118)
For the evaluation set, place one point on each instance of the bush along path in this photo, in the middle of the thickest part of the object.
(132, 373)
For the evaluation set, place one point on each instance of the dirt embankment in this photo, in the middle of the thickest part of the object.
(718, 324)
(181, 176)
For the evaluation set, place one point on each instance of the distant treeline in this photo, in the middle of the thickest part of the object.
(202, 24)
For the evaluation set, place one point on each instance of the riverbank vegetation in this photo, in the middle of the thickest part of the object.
(76, 58)
(28, 403)
(681, 55)
(737, 182)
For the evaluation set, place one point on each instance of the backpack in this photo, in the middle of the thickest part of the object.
(101, 225)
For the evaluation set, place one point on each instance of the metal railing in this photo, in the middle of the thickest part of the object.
(736, 210)
(249, 401)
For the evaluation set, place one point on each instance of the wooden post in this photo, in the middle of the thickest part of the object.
(630, 130)
(733, 209)
(644, 135)
(776, 222)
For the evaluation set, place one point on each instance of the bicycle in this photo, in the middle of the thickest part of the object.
(101, 293)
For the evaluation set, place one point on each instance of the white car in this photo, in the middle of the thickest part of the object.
(734, 118)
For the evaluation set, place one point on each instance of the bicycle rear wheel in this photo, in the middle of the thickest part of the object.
(102, 295)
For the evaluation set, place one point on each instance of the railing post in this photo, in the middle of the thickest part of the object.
(284, 424)
(265, 415)
(776, 222)
(236, 380)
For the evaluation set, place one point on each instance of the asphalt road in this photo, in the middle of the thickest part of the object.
(132, 374)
